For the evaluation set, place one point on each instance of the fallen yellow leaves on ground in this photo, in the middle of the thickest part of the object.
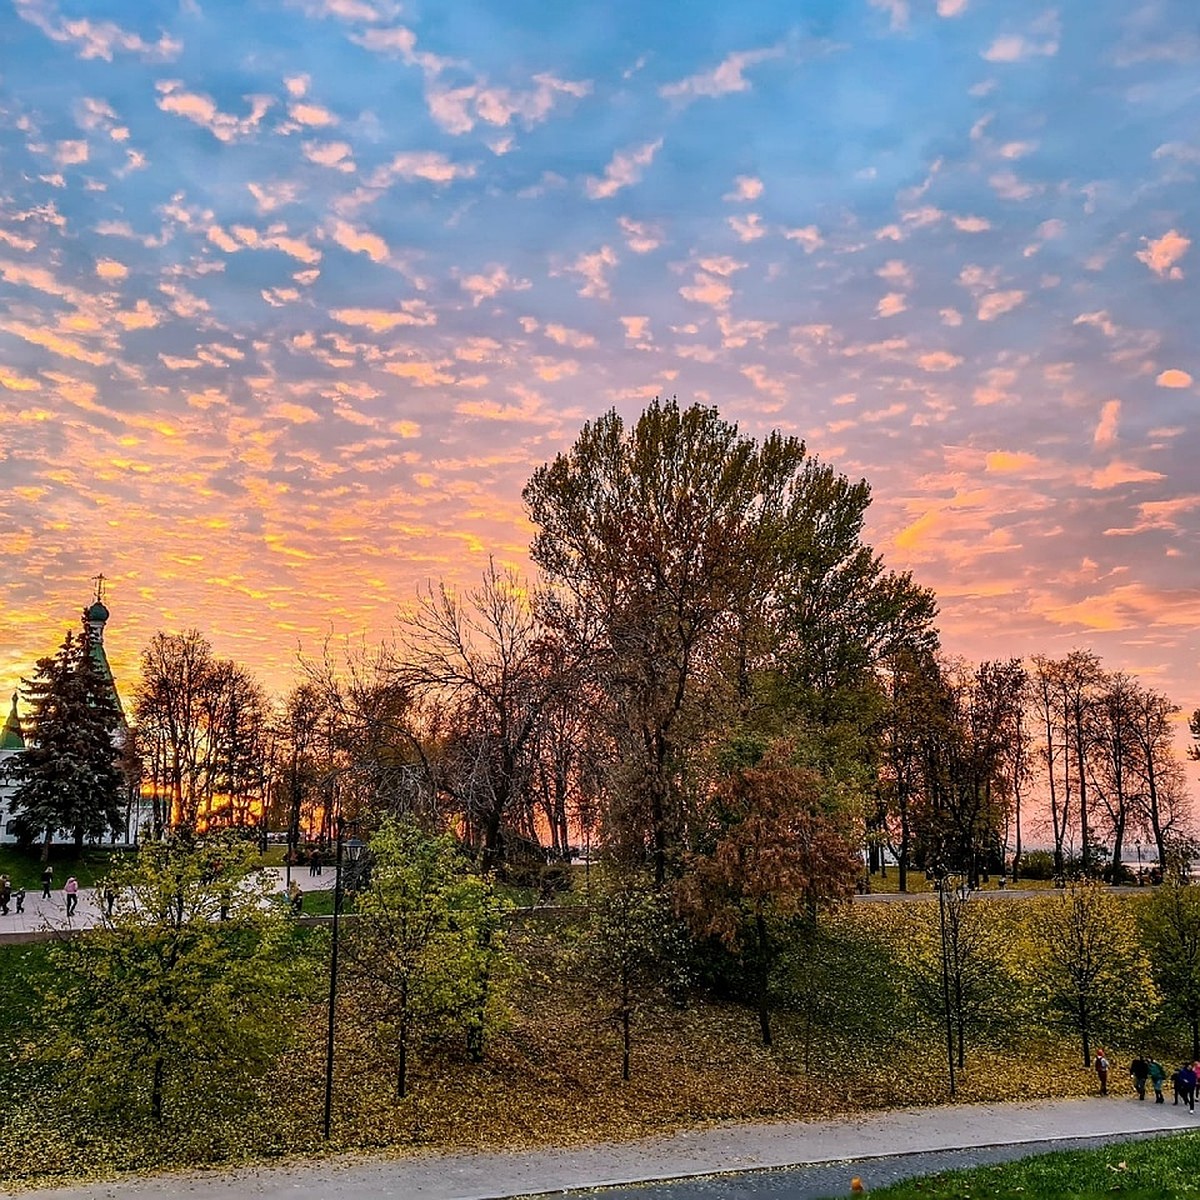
(551, 1076)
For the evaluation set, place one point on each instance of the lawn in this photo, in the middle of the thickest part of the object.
(1156, 1169)
(25, 866)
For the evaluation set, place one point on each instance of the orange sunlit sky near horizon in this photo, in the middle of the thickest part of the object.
(296, 295)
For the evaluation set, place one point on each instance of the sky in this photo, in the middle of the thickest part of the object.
(294, 297)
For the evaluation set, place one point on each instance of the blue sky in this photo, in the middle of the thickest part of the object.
(296, 296)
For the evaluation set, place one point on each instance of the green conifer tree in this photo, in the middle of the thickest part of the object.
(68, 777)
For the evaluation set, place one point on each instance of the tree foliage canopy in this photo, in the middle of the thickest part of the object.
(427, 950)
(168, 1010)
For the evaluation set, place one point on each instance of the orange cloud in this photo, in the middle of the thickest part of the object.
(1118, 473)
(1004, 462)
(1128, 606)
(938, 360)
(1161, 254)
(412, 312)
(1173, 378)
(1106, 428)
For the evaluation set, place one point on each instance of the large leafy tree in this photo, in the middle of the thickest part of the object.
(68, 777)
(693, 562)
(1171, 924)
(167, 1010)
(1090, 966)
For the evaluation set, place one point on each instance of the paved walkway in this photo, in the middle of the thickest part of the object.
(41, 915)
(725, 1148)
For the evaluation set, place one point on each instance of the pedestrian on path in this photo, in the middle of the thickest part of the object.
(19, 898)
(110, 895)
(1102, 1070)
(314, 864)
(5, 895)
(47, 879)
(1158, 1076)
(1185, 1086)
(1140, 1070)
(71, 891)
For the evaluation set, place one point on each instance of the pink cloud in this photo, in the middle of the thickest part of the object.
(1161, 254)
(624, 169)
(726, 77)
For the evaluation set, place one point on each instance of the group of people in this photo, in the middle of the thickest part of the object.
(15, 895)
(10, 895)
(1185, 1080)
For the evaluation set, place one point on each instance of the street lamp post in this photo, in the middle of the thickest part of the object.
(944, 880)
(353, 849)
(940, 880)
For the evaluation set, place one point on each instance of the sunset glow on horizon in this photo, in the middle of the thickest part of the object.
(296, 296)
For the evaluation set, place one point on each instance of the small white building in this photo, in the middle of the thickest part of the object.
(12, 743)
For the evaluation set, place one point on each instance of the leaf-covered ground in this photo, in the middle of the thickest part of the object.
(551, 1076)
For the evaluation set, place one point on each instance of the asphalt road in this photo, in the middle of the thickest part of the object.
(823, 1181)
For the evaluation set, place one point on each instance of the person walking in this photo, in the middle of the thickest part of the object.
(110, 896)
(314, 864)
(1102, 1070)
(19, 898)
(1140, 1070)
(5, 895)
(71, 891)
(1158, 1076)
(1185, 1086)
(47, 879)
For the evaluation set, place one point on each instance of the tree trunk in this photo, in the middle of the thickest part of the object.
(46, 845)
(1085, 1032)
(156, 1092)
(1085, 835)
(625, 1043)
(658, 808)
(764, 975)
(1196, 1037)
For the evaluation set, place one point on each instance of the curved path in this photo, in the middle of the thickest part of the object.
(880, 1137)
(41, 916)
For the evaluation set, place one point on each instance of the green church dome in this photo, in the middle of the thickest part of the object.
(10, 733)
(96, 612)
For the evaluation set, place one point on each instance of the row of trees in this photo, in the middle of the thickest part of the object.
(706, 604)
(194, 984)
(969, 751)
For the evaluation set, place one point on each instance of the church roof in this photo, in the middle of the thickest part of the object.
(11, 737)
